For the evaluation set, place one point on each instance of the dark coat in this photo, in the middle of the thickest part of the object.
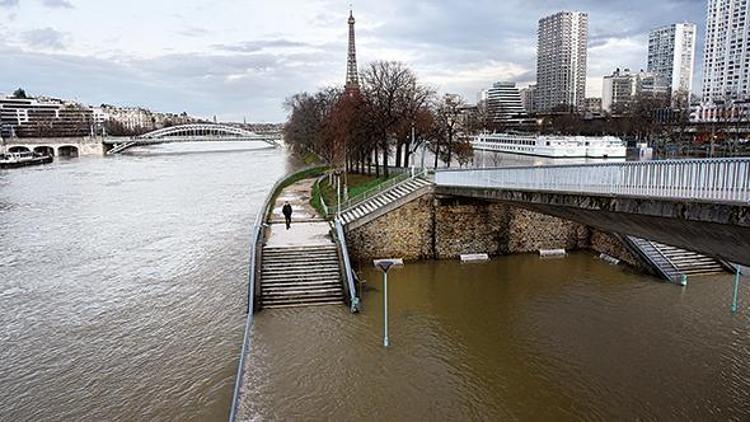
(287, 210)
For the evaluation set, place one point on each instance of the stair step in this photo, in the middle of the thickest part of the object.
(300, 267)
(333, 274)
(304, 291)
(275, 252)
(298, 273)
(306, 252)
(301, 255)
(304, 280)
(289, 284)
(323, 275)
(292, 299)
(302, 305)
(281, 264)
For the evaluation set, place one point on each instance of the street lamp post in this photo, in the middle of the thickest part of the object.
(384, 265)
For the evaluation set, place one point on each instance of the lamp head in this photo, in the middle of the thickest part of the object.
(386, 264)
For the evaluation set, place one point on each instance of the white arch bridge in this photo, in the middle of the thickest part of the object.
(199, 132)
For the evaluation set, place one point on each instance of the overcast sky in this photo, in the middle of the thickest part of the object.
(241, 58)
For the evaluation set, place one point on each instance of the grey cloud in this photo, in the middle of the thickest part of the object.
(61, 4)
(229, 86)
(45, 38)
(9, 3)
(259, 45)
(437, 38)
(193, 31)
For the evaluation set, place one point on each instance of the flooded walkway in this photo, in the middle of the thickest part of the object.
(517, 338)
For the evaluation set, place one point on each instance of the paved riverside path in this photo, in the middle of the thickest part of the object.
(300, 266)
(308, 228)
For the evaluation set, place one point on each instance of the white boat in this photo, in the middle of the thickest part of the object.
(552, 146)
(23, 159)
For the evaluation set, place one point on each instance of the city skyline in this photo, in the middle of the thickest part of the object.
(233, 63)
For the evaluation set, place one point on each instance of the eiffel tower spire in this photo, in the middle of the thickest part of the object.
(352, 78)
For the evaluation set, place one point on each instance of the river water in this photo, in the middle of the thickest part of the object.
(518, 338)
(123, 280)
(123, 289)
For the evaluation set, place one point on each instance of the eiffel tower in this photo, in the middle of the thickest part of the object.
(352, 78)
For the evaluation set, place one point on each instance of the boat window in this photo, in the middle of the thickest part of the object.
(547, 143)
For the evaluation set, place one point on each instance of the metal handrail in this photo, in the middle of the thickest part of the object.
(256, 240)
(326, 209)
(257, 236)
(388, 184)
(354, 302)
(374, 190)
(639, 246)
(718, 179)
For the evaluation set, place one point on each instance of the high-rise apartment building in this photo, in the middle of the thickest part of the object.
(622, 88)
(671, 54)
(561, 62)
(528, 98)
(726, 52)
(504, 101)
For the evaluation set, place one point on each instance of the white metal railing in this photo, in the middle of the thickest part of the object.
(713, 179)
(386, 185)
(348, 272)
(253, 286)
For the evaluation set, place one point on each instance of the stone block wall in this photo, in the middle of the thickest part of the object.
(433, 227)
(405, 232)
(531, 231)
(604, 242)
(469, 226)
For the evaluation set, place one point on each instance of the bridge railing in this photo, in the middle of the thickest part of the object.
(720, 179)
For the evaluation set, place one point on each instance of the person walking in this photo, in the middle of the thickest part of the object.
(287, 211)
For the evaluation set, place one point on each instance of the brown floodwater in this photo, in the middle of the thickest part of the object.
(123, 282)
(517, 338)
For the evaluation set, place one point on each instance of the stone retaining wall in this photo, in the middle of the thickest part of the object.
(405, 232)
(434, 227)
(607, 243)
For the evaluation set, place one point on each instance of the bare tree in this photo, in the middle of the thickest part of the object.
(447, 125)
(392, 94)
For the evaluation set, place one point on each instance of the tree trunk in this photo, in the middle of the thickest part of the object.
(437, 153)
(385, 157)
(398, 154)
(450, 148)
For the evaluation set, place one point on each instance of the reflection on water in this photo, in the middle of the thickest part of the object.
(123, 280)
(518, 338)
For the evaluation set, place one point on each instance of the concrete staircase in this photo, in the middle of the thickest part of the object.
(688, 262)
(301, 276)
(383, 199)
(673, 262)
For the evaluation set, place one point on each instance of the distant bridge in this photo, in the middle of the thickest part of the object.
(701, 205)
(56, 147)
(199, 132)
